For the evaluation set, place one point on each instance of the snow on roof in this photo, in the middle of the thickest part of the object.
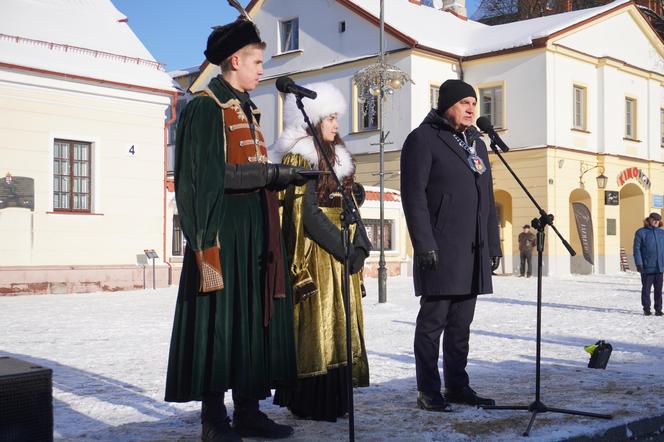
(523, 33)
(443, 31)
(428, 26)
(87, 38)
(184, 71)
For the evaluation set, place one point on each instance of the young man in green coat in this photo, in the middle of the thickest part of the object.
(233, 326)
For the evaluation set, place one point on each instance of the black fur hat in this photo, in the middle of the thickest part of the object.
(225, 40)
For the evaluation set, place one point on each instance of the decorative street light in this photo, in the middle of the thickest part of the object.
(380, 80)
(601, 178)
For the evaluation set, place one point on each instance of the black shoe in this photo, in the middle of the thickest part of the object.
(646, 311)
(467, 396)
(257, 424)
(219, 432)
(432, 402)
(658, 313)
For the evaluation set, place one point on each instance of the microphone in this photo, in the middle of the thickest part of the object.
(286, 85)
(485, 125)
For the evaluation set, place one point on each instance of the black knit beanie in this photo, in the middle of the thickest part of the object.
(452, 91)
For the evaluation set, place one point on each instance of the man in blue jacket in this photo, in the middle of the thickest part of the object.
(649, 259)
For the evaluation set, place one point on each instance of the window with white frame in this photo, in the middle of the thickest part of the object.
(373, 232)
(491, 105)
(289, 34)
(579, 119)
(72, 170)
(433, 96)
(367, 113)
(630, 118)
(661, 127)
(178, 238)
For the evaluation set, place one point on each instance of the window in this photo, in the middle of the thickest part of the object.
(630, 118)
(661, 128)
(178, 238)
(491, 105)
(373, 231)
(367, 114)
(72, 188)
(433, 96)
(288, 30)
(579, 119)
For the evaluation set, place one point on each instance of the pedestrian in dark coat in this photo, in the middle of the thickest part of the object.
(649, 259)
(527, 243)
(447, 196)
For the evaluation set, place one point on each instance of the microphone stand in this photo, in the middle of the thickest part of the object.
(537, 406)
(349, 215)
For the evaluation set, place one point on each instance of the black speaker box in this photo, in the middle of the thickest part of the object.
(26, 401)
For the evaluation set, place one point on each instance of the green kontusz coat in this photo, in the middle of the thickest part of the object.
(219, 341)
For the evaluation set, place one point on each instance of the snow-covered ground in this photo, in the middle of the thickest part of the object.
(108, 352)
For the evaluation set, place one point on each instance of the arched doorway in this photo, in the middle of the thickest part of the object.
(504, 215)
(632, 214)
(578, 263)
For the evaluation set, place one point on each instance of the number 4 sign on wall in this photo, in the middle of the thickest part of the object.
(132, 151)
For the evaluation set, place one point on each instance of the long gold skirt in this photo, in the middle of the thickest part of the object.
(320, 322)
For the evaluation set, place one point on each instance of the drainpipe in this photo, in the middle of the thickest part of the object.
(461, 68)
(174, 100)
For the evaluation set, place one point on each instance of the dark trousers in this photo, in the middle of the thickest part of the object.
(647, 281)
(526, 261)
(452, 319)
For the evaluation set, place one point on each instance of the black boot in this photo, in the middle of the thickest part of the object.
(215, 421)
(467, 396)
(433, 401)
(249, 421)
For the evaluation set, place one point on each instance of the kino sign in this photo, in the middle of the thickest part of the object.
(634, 173)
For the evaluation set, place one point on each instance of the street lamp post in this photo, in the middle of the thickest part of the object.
(379, 81)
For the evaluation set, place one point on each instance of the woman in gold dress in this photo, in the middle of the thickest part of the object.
(311, 228)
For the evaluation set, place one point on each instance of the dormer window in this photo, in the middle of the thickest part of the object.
(289, 30)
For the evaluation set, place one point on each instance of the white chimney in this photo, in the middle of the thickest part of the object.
(456, 7)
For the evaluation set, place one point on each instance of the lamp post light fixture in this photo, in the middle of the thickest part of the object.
(601, 178)
(380, 80)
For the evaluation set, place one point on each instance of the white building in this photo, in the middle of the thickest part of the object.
(84, 110)
(567, 92)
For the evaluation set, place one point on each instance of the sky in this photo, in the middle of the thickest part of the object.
(175, 32)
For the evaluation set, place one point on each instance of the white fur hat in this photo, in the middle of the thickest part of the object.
(329, 101)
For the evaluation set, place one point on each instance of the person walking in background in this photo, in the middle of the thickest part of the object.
(526, 244)
(447, 194)
(311, 226)
(649, 259)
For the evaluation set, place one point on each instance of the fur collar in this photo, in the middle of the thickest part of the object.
(296, 141)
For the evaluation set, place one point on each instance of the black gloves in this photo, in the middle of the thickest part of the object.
(639, 268)
(428, 260)
(245, 176)
(256, 176)
(280, 176)
(495, 263)
(360, 250)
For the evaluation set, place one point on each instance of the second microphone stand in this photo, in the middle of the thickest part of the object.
(537, 406)
(349, 215)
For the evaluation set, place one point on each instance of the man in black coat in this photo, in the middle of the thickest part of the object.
(447, 196)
